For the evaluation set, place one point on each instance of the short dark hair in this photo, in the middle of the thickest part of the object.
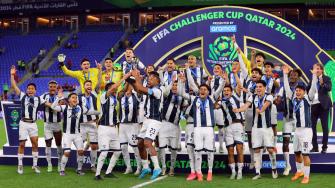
(86, 81)
(70, 95)
(155, 74)
(257, 70)
(298, 71)
(228, 86)
(32, 84)
(171, 59)
(151, 65)
(269, 63)
(301, 86)
(108, 85)
(108, 58)
(205, 85)
(260, 54)
(130, 49)
(83, 60)
(217, 65)
(261, 82)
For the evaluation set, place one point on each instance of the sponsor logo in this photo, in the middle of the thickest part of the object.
(222, 51)
(223, 28)
(14, 115)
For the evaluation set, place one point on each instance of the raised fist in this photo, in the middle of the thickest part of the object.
(12, 70)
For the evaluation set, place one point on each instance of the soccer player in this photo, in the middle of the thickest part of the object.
(219, 78)
(27, 125)
(198, 74)
(86, 73)
(52, 127)
(152, 123)
(257, 60)
(202, 111)
(131, 62)
(71, 115)
(167, 76)
(108, 137)
(234, 131)
(111, 74)
(262, 133)
(88, 126)
(129, 126)
(249, 88)
(170, 131)
(302, 142)
(271, 84)
(288, 120)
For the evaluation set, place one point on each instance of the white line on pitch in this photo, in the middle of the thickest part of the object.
(149, 182)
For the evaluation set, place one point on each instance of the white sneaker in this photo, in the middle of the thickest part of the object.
(20, 169)
(163, 172)
(138, 171)
(37, 169)
(274, 174)
(239, 176)
(251, 166)
(233, 175)
(258, 176)
(287, 171)
(128, 171)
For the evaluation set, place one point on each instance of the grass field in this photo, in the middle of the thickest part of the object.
(46, 180)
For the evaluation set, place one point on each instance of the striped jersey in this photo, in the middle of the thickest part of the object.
(270, 87)
(202, 111)
(50, 116)
(302, 112)
(262, 120)
(227, 107)
(198, 74)
(29, 106)
(127, 67)
(71, 116)
(153, 103)
(90, 102)
(168, 77)
(172, 107)
(108, 108)
(129, 108)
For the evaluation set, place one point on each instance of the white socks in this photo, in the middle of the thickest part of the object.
(306, 171)
(239, 168)
(299, 166)
(198, 161)
(101, 161)
(59, 154)
(145, 163)
(80, 161)
(137, 157)
(125, 154)
(210, 159)
(232, 167)
(35, 158)
(154, 160)
(258, 162)
(287, 159)
(162, 157)
(93, 155)
(273, 160)
(191, 156)
(173, 158)
(20, 159)
(63, 163)
(48, 155)
(112, 162)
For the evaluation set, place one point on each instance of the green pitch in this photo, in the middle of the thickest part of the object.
(29, 179)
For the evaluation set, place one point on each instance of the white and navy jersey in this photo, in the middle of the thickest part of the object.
(250, 86)
(233, 81)
(50, 116)
(286, 102)
(108, 108)
(167, 77)
(270, 88)
(227, 107)
(198, 74)
(127, 67)
(153, 103)
(302, 112)
(202, 112)
(129, 108)
(172, 107)
(29, 106)
(71, 116)
(90, 102)
(216, 82)
(262, 120)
